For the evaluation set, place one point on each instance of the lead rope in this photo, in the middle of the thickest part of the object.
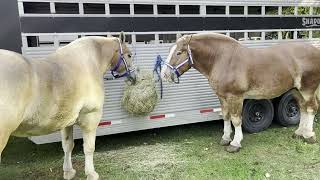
(134, 59)
(157, 69)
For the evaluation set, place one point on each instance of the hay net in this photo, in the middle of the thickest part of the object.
(140, 98)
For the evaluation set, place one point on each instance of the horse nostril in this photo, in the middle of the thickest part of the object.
(167, 75)
(172, 77)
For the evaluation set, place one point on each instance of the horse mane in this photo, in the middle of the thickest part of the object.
(86, 40)
(210, 36)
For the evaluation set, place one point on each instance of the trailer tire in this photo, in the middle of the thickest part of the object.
(287, 110)
(257, 115)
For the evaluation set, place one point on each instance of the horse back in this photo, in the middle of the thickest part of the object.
(297, 65)
(302, 60)
(270, 72)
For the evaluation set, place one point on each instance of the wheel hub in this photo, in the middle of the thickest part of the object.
(256, 113)
(292, 109)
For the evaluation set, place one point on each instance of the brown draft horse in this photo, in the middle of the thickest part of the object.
(237, 73)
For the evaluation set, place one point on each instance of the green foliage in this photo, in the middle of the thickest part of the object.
(316, 10)
(303, 10)
(287, 35)
(288, 10)
(271, 35)
(303, 34)
(271, 10)
(316, 34)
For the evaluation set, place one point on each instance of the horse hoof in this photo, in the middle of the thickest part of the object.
(311, 140)
(297, 136)
(69, 174)
(232, 149)
(93, 176)
(224, 142)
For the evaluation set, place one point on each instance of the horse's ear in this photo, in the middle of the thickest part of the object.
(179, 35)
(122, 37)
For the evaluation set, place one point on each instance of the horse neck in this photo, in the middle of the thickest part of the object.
(208, 53)
(92, 51)
(107, 51)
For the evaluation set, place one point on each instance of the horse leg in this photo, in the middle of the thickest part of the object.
(8, 124)
(88, 124)
(4, 137)
(308, 108)
(89, 138)
(235, 112)
(227, 129)
(67, 145)
(235, 144)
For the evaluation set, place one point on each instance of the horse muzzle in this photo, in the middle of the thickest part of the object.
(170, 76)
(166, 74)
(132, 77)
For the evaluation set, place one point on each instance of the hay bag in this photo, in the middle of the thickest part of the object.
(140, 98)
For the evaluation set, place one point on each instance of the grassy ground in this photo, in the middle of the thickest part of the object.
(182, 152)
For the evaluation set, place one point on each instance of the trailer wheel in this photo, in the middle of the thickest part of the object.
(287, 111)
(257, 115)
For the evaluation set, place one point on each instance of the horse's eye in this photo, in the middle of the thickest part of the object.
(179, 53)
(129, 55)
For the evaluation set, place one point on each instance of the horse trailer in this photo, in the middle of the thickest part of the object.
(39, 27)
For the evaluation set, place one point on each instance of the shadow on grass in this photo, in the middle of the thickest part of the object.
(21, 150)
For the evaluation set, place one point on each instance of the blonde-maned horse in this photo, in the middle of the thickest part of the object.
(237, 73)
(42, 96)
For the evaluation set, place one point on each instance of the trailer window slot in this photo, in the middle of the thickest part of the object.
(287, 34)
(166, 9)
(302, 34)
(288, 10)
(316, 34)
(237, 35)
(216, 9)
(254, 10)
(189, 9)
(167, 38)
(143, 9)
(145, 39)
(119, 8)
(67, 8)
(236, 10)
(36, 7)
(271, 35)
(271, 10)
(94, 8)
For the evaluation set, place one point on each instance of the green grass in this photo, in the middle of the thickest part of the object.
(181, 152)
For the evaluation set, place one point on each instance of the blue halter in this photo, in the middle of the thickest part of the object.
(188, 60)
(158, 68)
(121, 60)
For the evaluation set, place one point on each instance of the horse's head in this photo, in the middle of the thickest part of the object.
(178, 61)
(122, 61)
